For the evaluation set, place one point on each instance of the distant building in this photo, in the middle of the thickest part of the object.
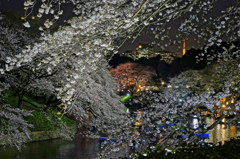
(147, 51)
(142, 50)
(168, 57)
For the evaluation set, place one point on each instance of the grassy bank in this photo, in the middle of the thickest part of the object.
(42, 119)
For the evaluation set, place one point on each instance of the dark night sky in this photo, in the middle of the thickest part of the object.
(17, 5)
(220, 5)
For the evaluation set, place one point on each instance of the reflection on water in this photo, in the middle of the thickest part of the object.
(55, 149)
(81, 148)
(222, 132)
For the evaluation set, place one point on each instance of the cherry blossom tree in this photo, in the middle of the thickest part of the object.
(102, 27)
(157, 17)
(132, 74)
(97, 100)
(177, 105)
(112, 24)
(25, 78)
(13, 40)
(193, 89)
(14, 130)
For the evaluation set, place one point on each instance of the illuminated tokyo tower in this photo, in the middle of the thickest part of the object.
(184, 48)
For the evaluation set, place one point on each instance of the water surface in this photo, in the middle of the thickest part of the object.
(85, 148)
(78, 148)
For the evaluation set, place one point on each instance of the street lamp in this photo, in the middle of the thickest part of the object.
(193, 122)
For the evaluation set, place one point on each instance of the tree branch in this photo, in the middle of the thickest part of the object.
(140, 8)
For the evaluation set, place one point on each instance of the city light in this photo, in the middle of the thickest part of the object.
(223, 120)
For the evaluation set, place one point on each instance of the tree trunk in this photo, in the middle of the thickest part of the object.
(20, 99)
(52, 101)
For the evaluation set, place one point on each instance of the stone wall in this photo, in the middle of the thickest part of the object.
(47, 135)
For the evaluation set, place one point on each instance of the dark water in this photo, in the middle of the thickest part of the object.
(85, 148)
(55, 149)
(79, 148)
